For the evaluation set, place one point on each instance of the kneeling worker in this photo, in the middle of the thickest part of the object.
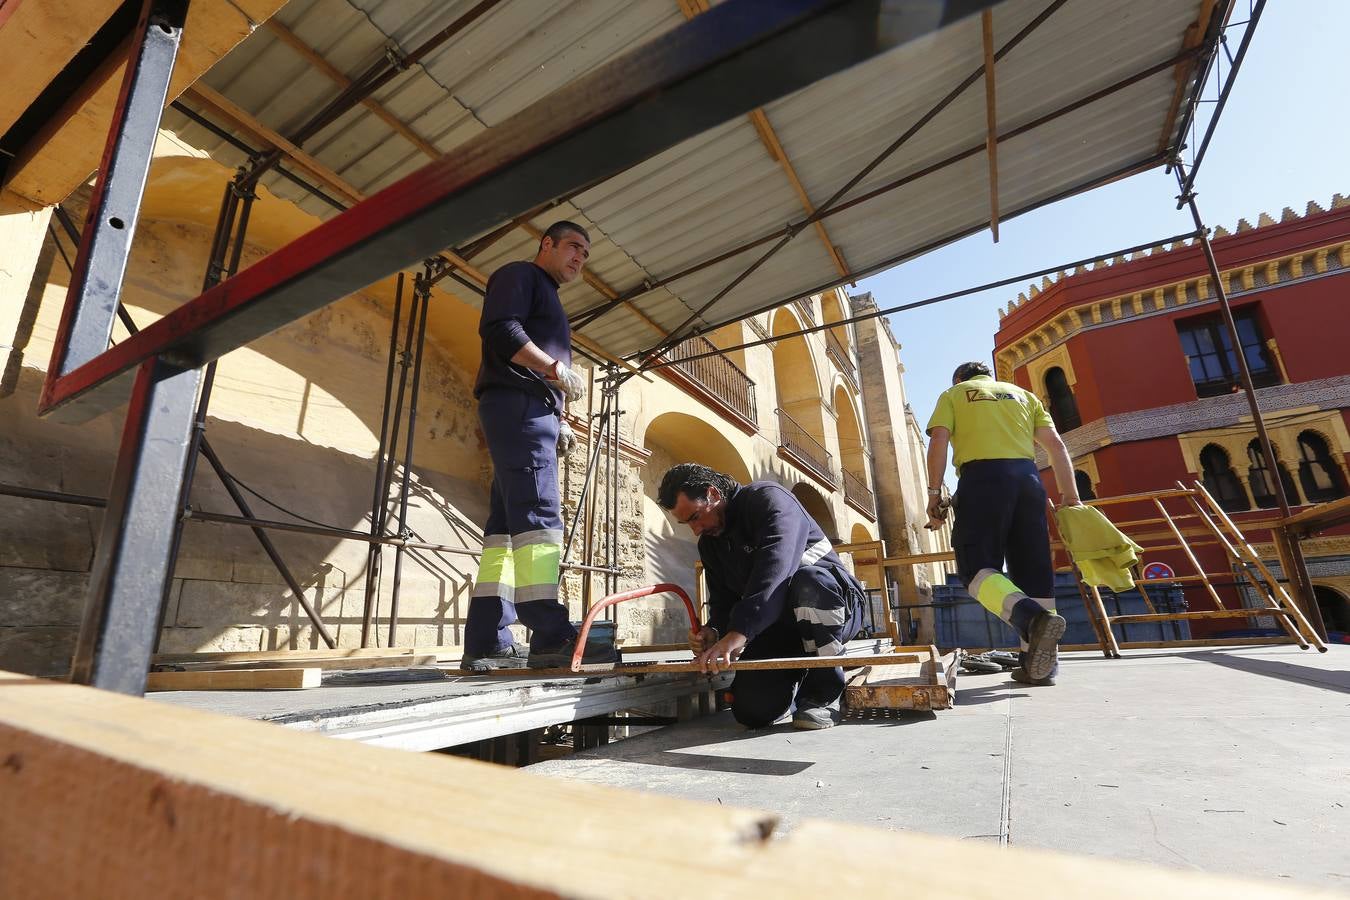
(993, 427)
(776, 588)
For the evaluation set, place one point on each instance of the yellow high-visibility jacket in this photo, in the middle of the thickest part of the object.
(1103, 553)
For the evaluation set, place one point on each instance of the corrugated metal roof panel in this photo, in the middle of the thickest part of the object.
(721, 189)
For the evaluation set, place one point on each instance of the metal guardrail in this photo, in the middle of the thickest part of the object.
(838, 351)
(804, 307)
(859, 494)
(717, 374)
(805, 449)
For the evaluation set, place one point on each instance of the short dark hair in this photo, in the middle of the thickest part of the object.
(968, 370)
(693, 481)
(558, 229)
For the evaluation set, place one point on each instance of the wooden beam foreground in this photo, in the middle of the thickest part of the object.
(113, 796)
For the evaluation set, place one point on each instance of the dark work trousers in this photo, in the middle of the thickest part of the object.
(522, 540)
(824, 610)
(1000, 516)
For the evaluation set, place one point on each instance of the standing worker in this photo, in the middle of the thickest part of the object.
(776, 588)
(1000, 502)
(523, 383)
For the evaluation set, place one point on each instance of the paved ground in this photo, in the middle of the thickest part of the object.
(1225, 760)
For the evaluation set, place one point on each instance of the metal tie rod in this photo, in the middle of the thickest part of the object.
(740, 55)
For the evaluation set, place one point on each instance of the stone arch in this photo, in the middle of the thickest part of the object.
(832, 310)
(671, 549)
(861, 534)
(689, 439)
(852, 450)
(1319, 470)
(817, 507)
(1063, 405)
(798, 396)
(1216, 471)
(1261, 475)
(1334, 606)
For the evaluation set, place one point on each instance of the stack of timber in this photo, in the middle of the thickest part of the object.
(920, 679)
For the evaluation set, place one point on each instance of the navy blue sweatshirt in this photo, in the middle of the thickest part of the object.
(748, 566)
(521, 305)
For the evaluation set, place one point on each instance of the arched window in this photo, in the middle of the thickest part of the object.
(1317, 471)
(1221, 481)
(1085, 491)
(1260, 480)
(1063, 407)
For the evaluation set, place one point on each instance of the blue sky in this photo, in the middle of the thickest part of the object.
(1284, 139)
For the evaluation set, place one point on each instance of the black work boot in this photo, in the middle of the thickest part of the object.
(1042, 651)
(813, 717)
(512, 656)
(597, 653)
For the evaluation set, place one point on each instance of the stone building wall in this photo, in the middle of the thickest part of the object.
(295, 416)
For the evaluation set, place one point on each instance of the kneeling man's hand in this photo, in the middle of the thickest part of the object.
(702, 638)
(721, 654)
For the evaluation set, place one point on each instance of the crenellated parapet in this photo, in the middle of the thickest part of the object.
(1198, 289)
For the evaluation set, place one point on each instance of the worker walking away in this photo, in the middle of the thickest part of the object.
(993, 428)
(776, 588)
(524, 382)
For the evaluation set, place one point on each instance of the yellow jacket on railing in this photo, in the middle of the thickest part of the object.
(1103, 553)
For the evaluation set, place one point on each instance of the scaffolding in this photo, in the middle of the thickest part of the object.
(467, 200)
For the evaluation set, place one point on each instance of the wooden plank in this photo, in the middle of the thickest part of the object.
(689, 667)
(392, 661)
(69, 149)
(224, 107)
(1319, 517)
(236, 680)
(113, 796)
(1199, 615)
(38, 39)
(229, 656)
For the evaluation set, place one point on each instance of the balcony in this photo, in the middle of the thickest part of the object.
(859, 495)
(797, 445)
(714, 378)
(835, 349)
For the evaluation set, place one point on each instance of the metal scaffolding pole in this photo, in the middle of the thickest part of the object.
(385, 478)
(379, 491)
(132, 563)
(422, 292)
(1299, 577)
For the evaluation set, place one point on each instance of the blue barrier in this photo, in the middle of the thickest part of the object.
(960, 621)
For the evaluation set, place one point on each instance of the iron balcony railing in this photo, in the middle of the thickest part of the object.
(804, 307)
(805, 449)
(837, 351)
(859, 494)
(719, 376)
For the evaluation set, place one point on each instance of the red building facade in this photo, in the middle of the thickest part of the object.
(1136, 366)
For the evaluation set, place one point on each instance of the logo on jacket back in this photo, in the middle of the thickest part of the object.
(976, 394)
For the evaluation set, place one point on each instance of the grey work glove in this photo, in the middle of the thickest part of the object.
(567, 379)
(567, 438)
